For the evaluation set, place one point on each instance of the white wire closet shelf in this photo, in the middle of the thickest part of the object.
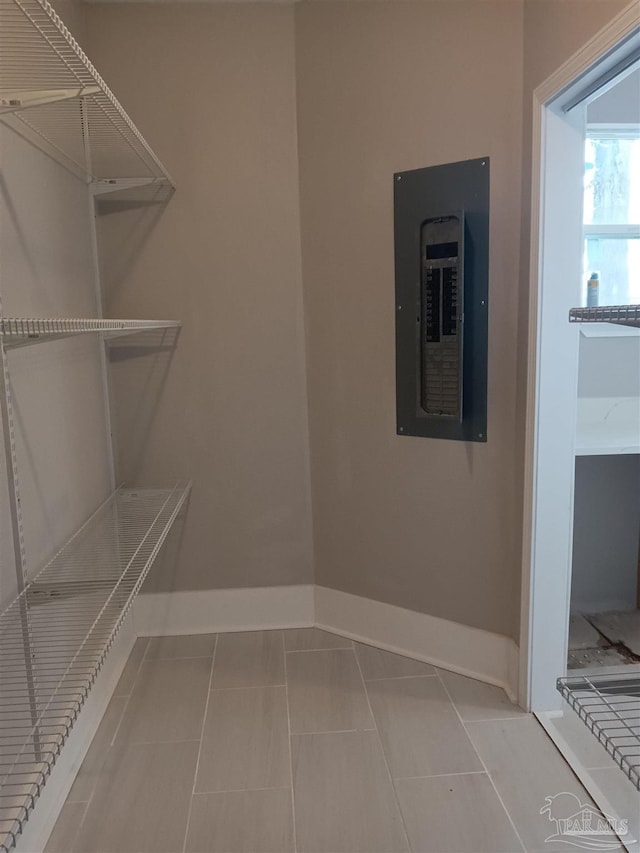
(52, 95)
(609, 705)
(621, 315)
(17, 331)
(55, 636)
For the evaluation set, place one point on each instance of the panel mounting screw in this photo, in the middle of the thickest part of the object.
(399, 307)
(484, 163)
(483, 302)
(398, 177)
(480, 435)
(400, 429)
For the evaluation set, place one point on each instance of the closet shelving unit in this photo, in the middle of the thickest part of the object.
(70, 613)
(621, 315)
(22, 331)
(55, 635)
(51, 94)
(609, 704)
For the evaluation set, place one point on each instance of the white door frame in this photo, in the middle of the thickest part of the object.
(553, 362)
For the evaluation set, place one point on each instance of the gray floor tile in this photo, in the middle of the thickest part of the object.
(241, 822)
(624, 798)
(66, 828)
(246, 740)
(419, 728)
(456, 814)
(312, 639)
(141, 802)
(168, 701)
(344, 800)
(475, 700)
(187, 646)
(526, 768)
(91, 767)
(130, 671)
(326, 692)
(249, 659)
(376, 663)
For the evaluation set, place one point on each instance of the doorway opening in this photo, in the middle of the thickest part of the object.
(582, 493)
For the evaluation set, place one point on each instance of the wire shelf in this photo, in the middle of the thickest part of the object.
(52, 94)
(610, 706)
(18, 331)
(622, 315)
(55, 636)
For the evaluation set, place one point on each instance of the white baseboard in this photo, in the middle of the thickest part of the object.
(470, 651)
(488, 657)
(220, 610)
(512, 685)
(37, 829)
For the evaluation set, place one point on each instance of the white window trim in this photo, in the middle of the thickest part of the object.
(623, 231)
(626, 130)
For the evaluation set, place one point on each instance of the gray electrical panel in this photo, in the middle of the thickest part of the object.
(442, 259)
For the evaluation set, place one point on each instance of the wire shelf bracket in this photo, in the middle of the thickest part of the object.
(105, 186)
(76, 605)
(609, 705)
(11, 103)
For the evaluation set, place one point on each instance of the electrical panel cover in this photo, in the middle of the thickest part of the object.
(442, 256)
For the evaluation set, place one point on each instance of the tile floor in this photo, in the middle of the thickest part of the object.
(303, 742)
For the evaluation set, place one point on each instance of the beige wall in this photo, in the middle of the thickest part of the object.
(384, 87)
(213, 89)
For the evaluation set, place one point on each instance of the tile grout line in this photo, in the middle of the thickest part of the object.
(150, 742)
(111, 742)
(245, 687)
(384, 756)
(481, 760)
(441, 775)
(78, 825)
(204, 720)
(330, 732)
(293, 796)
(144, 656)
(178, 657)
(128, 698)
(327, 649)
(240, 790)
(523, 716)
(400, 677)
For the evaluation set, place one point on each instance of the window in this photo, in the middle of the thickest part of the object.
(612, 213)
